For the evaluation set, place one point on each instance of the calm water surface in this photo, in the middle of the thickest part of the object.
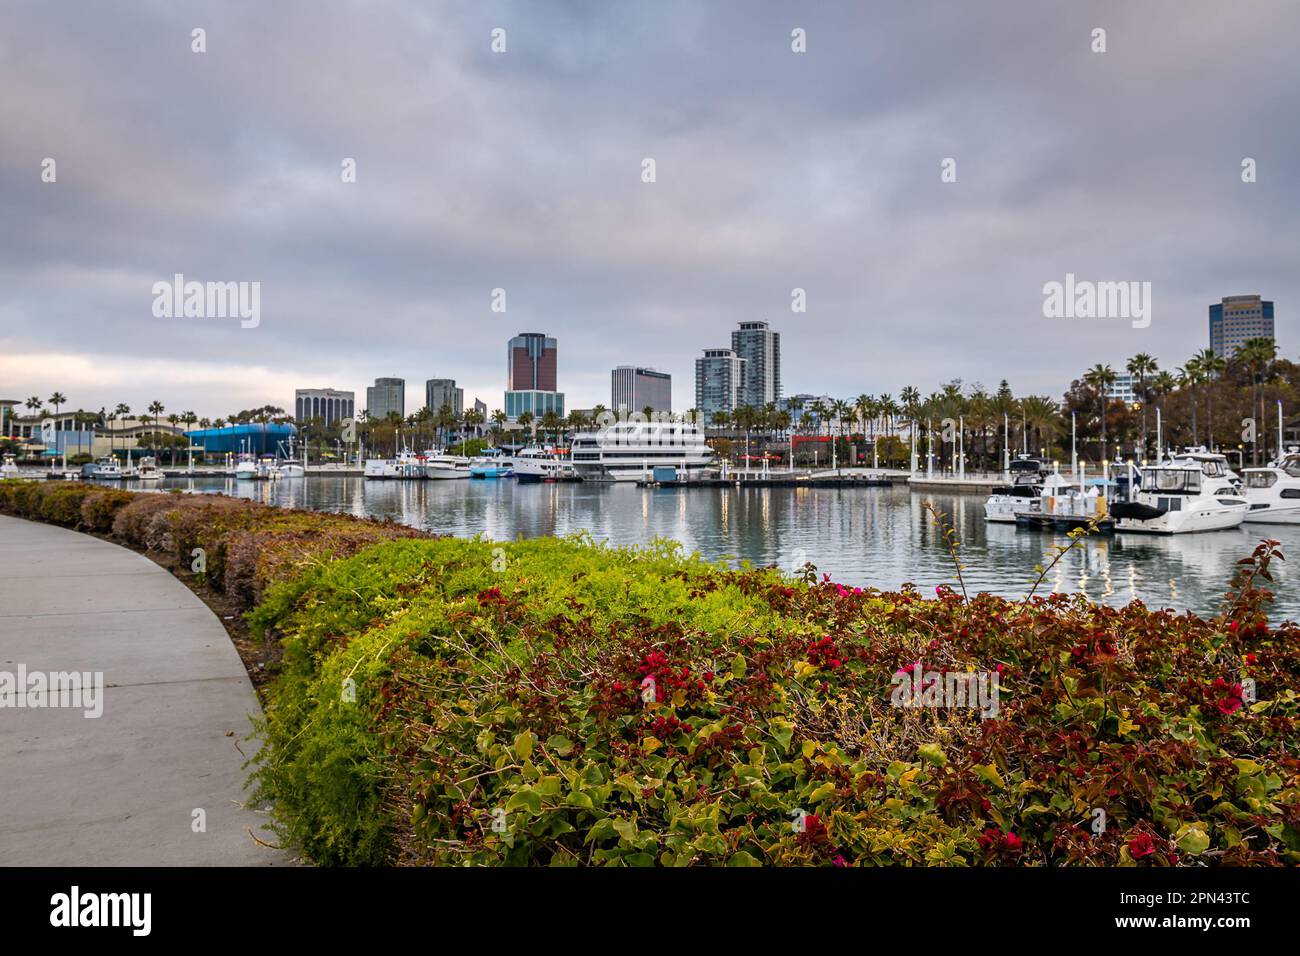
(879, 537)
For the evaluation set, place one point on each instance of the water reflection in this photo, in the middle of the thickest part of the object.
(861, 536)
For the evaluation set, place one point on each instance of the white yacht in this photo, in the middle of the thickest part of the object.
(107, 469)
(9, 468)
(289, 466)
(628, 451)
(407, 464)
(543, 463)
(1027, 475)
(439, 466)
(246, 468)
(1178, 498)
(148, 470)
(1274, 491)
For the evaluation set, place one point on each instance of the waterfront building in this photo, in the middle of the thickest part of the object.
(1238, 318)
(386, 395)
(329, 405)
(532, 375)
(719, 383)
(633, 389)
(256, 438)
(760, 349)
(443, 391)
(534, 401)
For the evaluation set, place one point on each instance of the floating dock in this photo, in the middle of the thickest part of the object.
(1050, 522)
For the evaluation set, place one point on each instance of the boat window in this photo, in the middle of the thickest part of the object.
(1171, 479)
(1291, 492)
(1292, 466)
(1229, 501)
(1213, 469)
(1260, 479)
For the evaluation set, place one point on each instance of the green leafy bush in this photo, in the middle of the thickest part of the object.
(460, 702)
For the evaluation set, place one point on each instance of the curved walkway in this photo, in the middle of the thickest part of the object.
(122, 788)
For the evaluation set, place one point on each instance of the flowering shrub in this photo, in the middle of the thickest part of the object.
(598, 706)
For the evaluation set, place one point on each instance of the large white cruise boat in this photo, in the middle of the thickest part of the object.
(1178, 498)
(628, 451)
(1274, 491)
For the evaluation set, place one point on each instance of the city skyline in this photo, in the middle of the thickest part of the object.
(523, 171)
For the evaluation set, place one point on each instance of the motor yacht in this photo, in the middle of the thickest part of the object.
(148, 470)
(439, 466)
(1027, 475)
(1178, 498)
(1274, 491)
(541, 463)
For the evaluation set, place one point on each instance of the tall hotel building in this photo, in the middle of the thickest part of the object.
(1239, 318)
(634, 389)
(760, 349)
(443, 391)
(386, 395)
(531, 376)
(328, 405)
(719, 383)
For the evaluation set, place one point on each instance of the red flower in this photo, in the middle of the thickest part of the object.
(1141, 845)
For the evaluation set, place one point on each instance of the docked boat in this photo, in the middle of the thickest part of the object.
(538, 463)
(1027, 476)
(247, 468)
(439, 466)
(491, 464)
(1274, 491)
(407, 465)
(288, 465)
(148, 470)
(9, 467)
(629, 451)
(1178, 498)
(108, 469)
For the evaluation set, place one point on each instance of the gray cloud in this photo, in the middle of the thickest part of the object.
(521, 170)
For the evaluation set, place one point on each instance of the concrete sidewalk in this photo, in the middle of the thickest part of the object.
(123, 788)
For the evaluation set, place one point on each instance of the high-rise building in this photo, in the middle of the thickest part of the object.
(386, 395)
(719, 382)
(1124, 388)
(327, 404)
(1237, 319)
(531, 376)
(634, 389)
(760, 348)
(443, 391)
(531, 363)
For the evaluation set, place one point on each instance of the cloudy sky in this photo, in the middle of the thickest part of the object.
(522, 170)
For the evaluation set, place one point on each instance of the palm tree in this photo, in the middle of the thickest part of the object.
(1101, 377)
(1258, 354)
(57, 399)
(525, 419)
(156, 409)
(1043, 416)
(1211, 365)
(1189, 376)
(1142, 365)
